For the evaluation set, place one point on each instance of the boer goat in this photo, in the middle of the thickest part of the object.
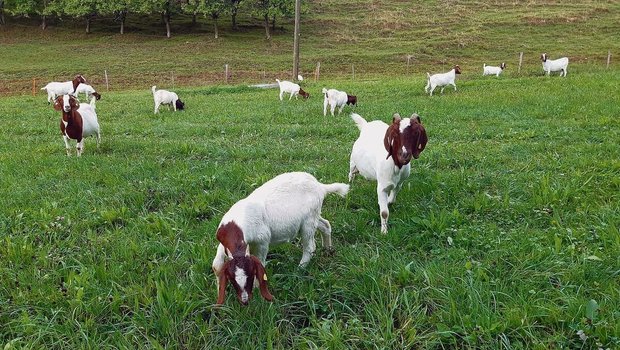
(492, 70)
(441, 79)
(336, 98)
(383, 153)
(558, 65)
(68, 87)
(88, 90)
(165, 97)
(291, 88)
(283, 208)
(78, 121)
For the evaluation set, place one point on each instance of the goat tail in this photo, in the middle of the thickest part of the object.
(278, 80)
(428, 76)
(338, 188)
(153, 88)
(359, 121)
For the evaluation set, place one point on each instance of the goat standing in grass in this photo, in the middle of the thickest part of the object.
(78, 121)
(165, 97)
(492, 70)
(558, 65)
(441, 79)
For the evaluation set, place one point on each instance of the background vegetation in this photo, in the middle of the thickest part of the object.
(506, 236)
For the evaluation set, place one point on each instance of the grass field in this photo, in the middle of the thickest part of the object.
(505, 236)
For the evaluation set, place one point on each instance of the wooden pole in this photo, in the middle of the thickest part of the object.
(520, 61)
(408, 61)
(353, 70)
(608, 58)
(34, 86)
(172, 77)
(296, 40)
(226, 73)
(107, 85)
(317, 74)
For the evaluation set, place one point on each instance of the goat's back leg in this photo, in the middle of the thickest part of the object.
(432, 89)
(98, 138)
(325, 102)
(156, 107)
(326, 232)
(281, 93)
(352, 170)
(308, 229)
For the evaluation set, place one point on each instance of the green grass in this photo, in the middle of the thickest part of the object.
(505, 232)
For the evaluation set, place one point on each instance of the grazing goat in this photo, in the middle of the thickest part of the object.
(88, 90)
(383, 153)
(165, 97)
(441, 79)
(281, 209)
(336, 98)
(78, 121)
(291, 88)
(68, 87)
(557, 65)
(492, 70)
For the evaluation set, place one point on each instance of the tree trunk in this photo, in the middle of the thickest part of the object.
(234, 18)
(194, 19)
(87, 25)
(273, 23)
(2, 12)
(167, 21)
(266, 22)
(43, 22)
(215, 26)
(123, 25)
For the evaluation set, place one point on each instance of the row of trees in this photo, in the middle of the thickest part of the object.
(267, 10)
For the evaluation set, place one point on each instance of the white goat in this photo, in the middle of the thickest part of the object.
(336, 98)
(492, 70)
(441, 79)
(281, 209)
(557, 65)
(165, 97)
(291, 88)
(68, 87)
(384, 154)
(88, 90)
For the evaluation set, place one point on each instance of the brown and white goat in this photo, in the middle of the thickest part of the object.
(383, 153)
(68, 87)
(78, 121)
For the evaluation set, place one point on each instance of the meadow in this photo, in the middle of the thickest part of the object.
(506, 235)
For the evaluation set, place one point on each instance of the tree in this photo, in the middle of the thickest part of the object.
(28, 8)
(85, 9)
(268, 10)
(213, 9)
(117, 8)
(2, 12)
(233, 9)
(165, 7)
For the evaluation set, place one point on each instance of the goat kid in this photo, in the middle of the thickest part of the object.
(78, 121)
(335, 98)
(441, 79)
(165, 97)
(383, 153)
(492, 70)
(88, 90)
(55, 89)
(283, 208)
(557, 65)
(291, 88)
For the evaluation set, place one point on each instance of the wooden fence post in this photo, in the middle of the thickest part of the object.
(608, 58)
(226, 73)
(172, 77)
(317, 73)
(353, 70)
(107, 85)
(408, 60)
(34, 86)
(520, 62)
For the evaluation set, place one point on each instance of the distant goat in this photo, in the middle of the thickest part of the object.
(88, 90)
(287, 206)
(383, 153)
(68, 87)
(291, 88)
(336, 98)
(491, 70)
(441, 79)
(557, 65)
(165, 97)
(78, 121)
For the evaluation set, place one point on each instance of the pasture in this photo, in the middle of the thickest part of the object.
(505, 236)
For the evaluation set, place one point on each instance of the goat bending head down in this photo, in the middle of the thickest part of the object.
(383, 153)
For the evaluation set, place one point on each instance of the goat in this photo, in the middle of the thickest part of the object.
(68, 87)
(281, 209)
(441, 79)
(78, 121)
(88, 90)
(557, 65)
(165, 97)
(383, 153)
(491, 70)
(291, 88)
(336, 98)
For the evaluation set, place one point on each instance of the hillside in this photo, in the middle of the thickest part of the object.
(373, 36)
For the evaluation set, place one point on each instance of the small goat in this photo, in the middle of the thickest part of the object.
(441, 79)
(336, 98)
(557, 65)
(383, 153)
(491, 70)
(78, 121)
(291, 88)
(68, 87)
(88, 90)
(165, 97)
(281, 209)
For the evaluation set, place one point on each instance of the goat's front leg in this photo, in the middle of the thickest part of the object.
(218, 263)
(340, 110)
(80, 147)
(67, 145)
(384, 212)
(453, 84)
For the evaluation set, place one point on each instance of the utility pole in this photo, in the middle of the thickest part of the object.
(296, 40)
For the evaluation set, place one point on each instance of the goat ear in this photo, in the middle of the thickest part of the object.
(388, 140)
(228, 253)
(396, 118)
(415, 117)
(223, 284)
(261, 276)
(57, 103)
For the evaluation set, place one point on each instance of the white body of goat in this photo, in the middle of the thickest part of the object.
(281, 209)
(164, 97)
(85, 89)
(492, 70)
(557, 65)
(55, 89)
(441, 79)
(334, 98)
(289, 88)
